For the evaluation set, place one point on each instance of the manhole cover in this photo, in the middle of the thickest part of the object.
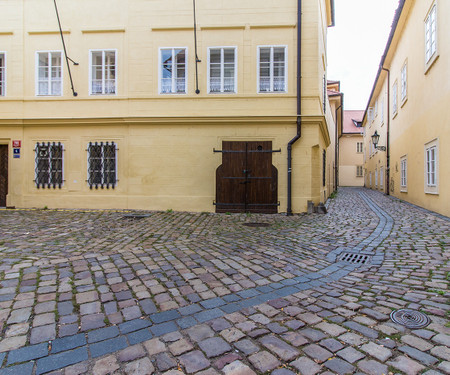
(355, 258)
(410, 318)
(135, 216)
(256, 225)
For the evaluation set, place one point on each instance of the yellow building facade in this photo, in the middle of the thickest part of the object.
(158, 112)
(409, 109)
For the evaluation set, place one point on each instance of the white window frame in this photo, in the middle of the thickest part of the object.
(222, 70)
(271, 77)
(381, 185)
(103, 72)
(394, 99)
(404, 83)
(3, 75)
(49, 183)
(97, 143)
(431, 170)
(49, 79)
(160, 72)
(404, 173)
(430, 34)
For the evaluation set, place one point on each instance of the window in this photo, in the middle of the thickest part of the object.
(102, 164)
(376, 108)
(49, 73)
(376, 178)
(404, 83)
(394, 98)
(2, 74)
(382, 112)
(324, 93)
(103, 73)
(370, 115)
(172, 71)
(432, 167)
(359, 171)
(222, 69)
(430, 35)
(324, 167)
(403, 174)
(381, 177)
(370, 179)
(272, 69)
(48, 164)
(359, 147)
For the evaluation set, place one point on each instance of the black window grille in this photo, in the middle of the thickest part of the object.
(102, 165)
(49, 165)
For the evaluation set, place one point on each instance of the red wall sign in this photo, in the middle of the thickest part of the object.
(17, 143)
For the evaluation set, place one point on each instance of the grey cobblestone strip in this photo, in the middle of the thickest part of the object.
(77, 348)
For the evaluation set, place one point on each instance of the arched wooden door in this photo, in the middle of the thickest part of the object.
(247, 181)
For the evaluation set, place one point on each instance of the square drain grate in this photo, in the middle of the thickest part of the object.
(355, 258)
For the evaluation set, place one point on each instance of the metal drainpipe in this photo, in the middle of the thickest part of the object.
(299, 109)
(336, 147)
(388, 156)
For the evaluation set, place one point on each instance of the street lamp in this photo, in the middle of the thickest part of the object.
(375, 138)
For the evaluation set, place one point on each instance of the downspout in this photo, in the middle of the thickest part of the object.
(299, 109)
(388, 156)
(336, 146)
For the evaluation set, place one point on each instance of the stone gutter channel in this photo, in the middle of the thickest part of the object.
(63, 352)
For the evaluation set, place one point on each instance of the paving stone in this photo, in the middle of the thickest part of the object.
(134, 325)
(318, 353)
(441, 352)
(407, 365)
(350, 354)
(154, 346)
(11, 343)
(416, 342)
(60, 360)
(226, 359)
(105, 366)
(180, 347)
(332, 345)
(264, 361)
(339, 366)
(331, 329)
(165, 362)
(377, 351)
(295, 338)
(23, 369)
(306, 366)
(444, 366)
(200, 332)
(42, 334)
(102, 334)
(372, 367)
(141, 366)
(214, 346)
(232, 334)
(194, 361)
(68, 343)
(352, 339)
(279, 347)
(237, 368)
(312, 334)
(246, 346)
(27, 353)
(422, 357)
(365, 331)
(108, 346)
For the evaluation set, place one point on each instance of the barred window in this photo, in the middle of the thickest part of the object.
(49, 164)
(359, 171)
(102, 164)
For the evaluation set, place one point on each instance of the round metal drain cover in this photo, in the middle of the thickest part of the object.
(256, 225)
(135, 216)
(410, 318)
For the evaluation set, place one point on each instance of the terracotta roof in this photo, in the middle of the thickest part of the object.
(351, 121)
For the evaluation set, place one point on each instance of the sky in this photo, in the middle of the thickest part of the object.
(356, 44)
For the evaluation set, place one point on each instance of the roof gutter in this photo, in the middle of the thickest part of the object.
(299, 109)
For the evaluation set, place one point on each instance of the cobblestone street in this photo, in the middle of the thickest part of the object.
(97, 292)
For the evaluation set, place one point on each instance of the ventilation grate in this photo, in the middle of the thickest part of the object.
(354, 258)
(411, 319)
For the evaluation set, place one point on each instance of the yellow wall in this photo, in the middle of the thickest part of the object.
(165, 157)
(349, 159)
(425, 114)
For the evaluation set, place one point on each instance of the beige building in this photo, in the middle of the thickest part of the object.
(149, 111)
(351, 160)
(409, 109)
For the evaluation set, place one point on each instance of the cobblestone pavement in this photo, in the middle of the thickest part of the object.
(89, 292)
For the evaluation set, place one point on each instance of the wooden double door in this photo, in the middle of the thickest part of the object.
(3, 174)
(247, 181)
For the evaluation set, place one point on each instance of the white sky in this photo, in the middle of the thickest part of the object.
(356, 44)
